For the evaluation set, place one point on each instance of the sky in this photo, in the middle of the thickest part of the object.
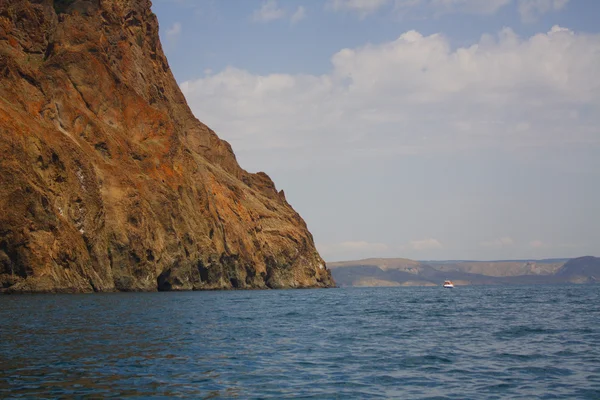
(423, 129)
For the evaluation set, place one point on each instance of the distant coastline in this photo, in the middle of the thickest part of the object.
(374, 272)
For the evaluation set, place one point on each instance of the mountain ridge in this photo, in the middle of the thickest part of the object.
(403, 271)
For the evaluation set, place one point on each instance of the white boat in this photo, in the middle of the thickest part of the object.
(448, 284)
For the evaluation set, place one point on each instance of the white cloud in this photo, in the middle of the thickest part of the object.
(361, 7)
(425, 244)
(440, 7)
(530, 10)
(174, 31)
(299, 15)
(268, 11)
(352, 246)
(537, 244)
(362, 245)
(351, 249)
(498, 243)
(413, 95)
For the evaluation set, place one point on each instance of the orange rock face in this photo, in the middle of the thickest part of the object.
(108, 182)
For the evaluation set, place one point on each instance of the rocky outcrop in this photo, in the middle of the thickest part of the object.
(108, 182)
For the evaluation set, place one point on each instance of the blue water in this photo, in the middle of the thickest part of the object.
(469, 342)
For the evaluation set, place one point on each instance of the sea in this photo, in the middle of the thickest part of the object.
(473, 342)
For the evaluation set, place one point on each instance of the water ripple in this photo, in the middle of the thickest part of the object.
(429, 343)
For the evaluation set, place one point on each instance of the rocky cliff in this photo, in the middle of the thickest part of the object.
(108, 182)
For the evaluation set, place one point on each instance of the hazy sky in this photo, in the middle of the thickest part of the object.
(426, 129)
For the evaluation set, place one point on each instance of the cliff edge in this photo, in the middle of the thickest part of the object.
(107, 180)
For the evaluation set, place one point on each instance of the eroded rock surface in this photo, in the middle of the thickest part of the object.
(107, 180)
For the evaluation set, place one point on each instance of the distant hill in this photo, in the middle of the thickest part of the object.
(405, 272)
(581, 270)
(502, 268)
